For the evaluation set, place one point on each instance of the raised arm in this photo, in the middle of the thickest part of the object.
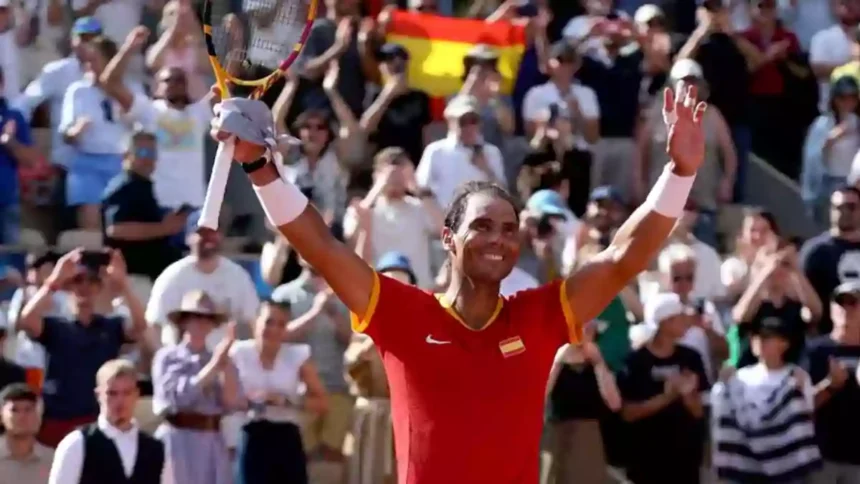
(593, 286)
(349, 276)
(112, 77)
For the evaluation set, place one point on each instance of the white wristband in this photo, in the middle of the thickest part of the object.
(669, 195)
(283, 202)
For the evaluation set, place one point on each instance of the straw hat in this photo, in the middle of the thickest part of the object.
(196, 303)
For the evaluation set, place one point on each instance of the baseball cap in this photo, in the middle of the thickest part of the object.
(843, 86)
(772, 326)
(547, 202)
(663, 306)
(605, 192)
(460, 106)
(391, 50)
(86, 26)
(850, 288)
(482, 53)
(647, 13)
(685, 68)
(395, 261)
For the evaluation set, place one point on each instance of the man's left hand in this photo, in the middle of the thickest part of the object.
(116, 269)
(682, 114)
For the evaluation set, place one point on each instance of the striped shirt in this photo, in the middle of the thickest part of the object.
(763, 427)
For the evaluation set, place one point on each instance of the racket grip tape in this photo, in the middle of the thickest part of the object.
(217, 186)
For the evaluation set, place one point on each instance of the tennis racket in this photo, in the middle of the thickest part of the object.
(249, 49)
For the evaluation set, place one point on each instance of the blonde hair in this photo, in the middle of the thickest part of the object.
(674, 254)
(115, 369)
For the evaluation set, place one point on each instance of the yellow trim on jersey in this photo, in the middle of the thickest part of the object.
(359, 325)
(574, 329)
(450, 310)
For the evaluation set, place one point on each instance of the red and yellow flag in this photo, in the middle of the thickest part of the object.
(437, 46)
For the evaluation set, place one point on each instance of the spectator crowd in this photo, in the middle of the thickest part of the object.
(135, 347)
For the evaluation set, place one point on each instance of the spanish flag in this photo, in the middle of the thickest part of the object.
(437, 46)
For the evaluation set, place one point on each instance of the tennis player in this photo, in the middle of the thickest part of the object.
(467, 368)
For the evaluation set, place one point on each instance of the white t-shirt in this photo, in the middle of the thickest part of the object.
(401, 226)
(539, 99)
(830, 46)
(179, 176)
(697, 339)
(518, 280)
(447, 164)
(283, 378)
(10, 63)
(229, 286)
(760, 382)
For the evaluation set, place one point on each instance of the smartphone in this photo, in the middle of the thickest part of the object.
(554, 110)
(94, 259)
(699, 307)
(544, 227)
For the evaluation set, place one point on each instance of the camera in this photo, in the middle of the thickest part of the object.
(95, 259)
(544, 227)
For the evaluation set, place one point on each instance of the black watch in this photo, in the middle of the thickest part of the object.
(255, 165)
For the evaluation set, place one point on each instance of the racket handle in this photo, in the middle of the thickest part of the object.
(217, 186)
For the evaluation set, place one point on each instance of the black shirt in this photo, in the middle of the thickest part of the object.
(129, 197)
(576, 395)
(837, 423)
(402, 124)
(350, 83)
(667, 446)
(726, 73)
(790, 314)
(827, 262)
(617, 88)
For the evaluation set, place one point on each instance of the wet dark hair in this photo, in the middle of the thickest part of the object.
(454, 214)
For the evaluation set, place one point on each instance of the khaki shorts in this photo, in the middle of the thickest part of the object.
(329, 429)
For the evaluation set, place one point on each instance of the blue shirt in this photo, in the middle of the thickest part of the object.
(75, 354)
(106, 134)
(8, 163)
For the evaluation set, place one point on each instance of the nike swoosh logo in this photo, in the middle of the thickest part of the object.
(432, 341)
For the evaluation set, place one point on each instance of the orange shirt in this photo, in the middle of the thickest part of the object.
(467, 405)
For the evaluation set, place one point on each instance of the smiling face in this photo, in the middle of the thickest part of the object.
(485, 245)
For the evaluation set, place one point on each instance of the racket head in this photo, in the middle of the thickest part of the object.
(255, 46)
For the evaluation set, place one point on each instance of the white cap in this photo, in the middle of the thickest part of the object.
(647, 13)
(4, 3)
(663, 306)
(459, 106)
(686, 68)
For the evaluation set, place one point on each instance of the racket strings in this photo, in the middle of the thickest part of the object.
(262, 34)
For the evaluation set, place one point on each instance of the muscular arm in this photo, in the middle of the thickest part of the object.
(594, 285)
(349, 276)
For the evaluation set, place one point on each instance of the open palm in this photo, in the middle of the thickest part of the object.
(682, 114)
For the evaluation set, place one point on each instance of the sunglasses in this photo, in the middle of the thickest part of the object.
(469, 120)
(682, 278)
(845, 207)
(145, 153)
(314, 126)
(847, 301)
